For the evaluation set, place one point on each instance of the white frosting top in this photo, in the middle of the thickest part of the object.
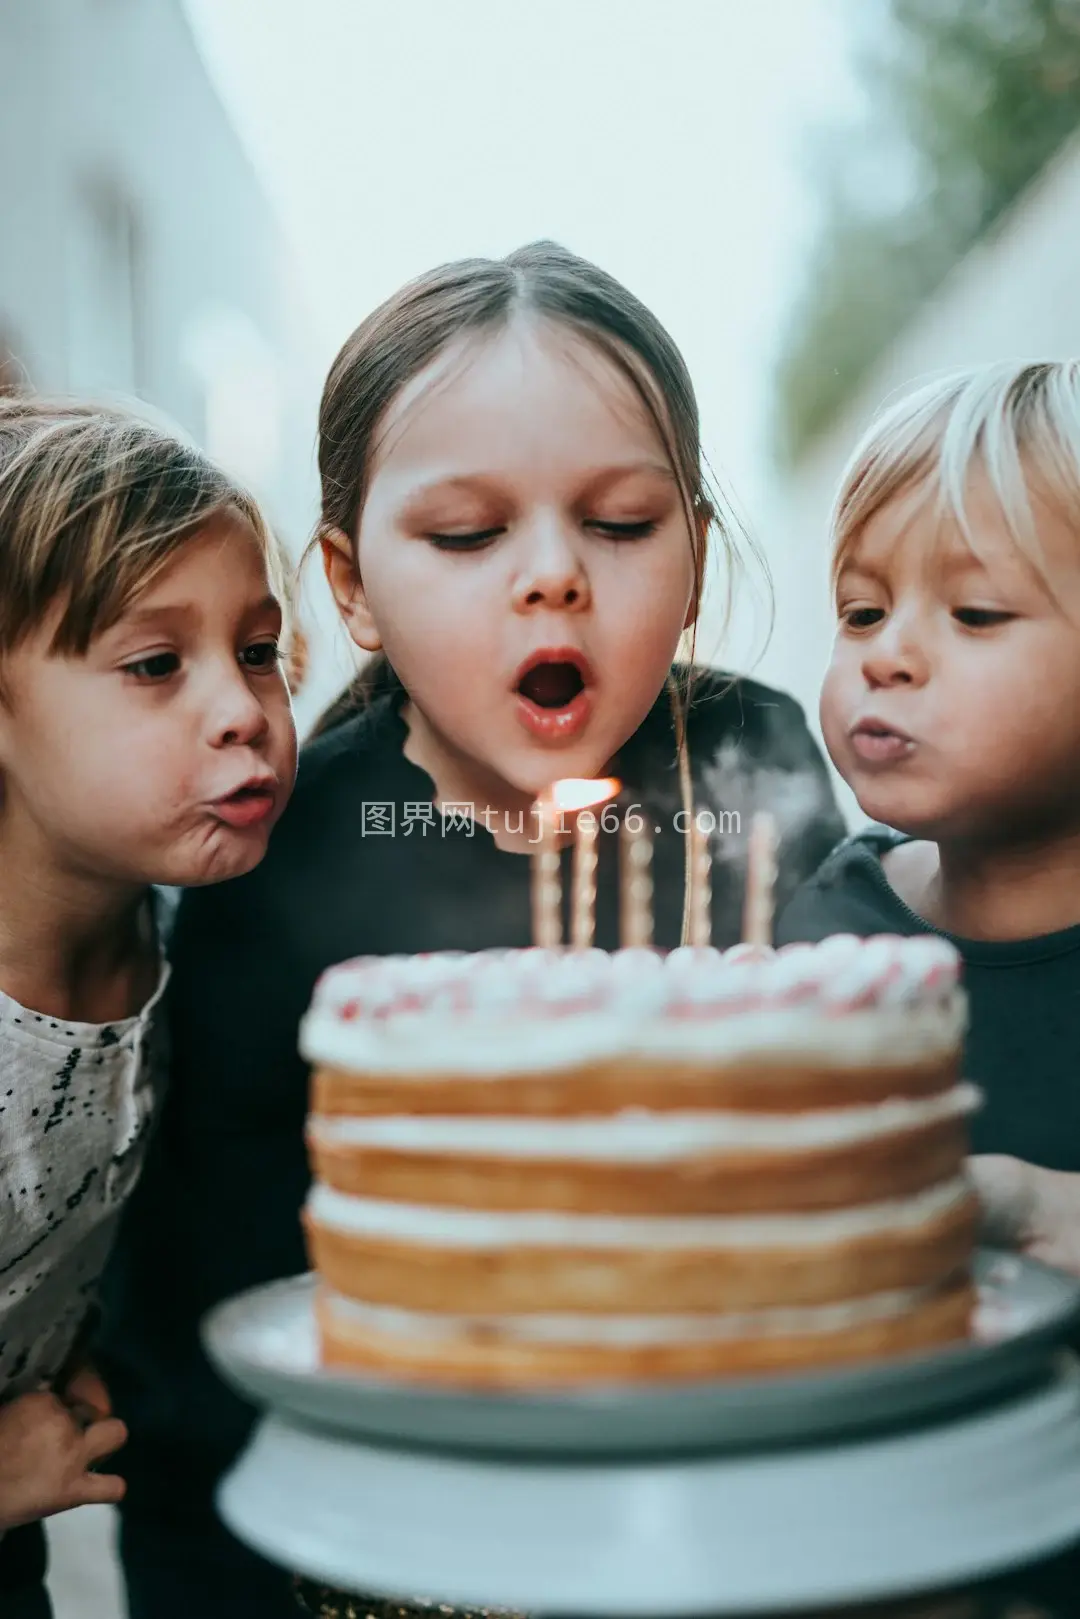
(847, 1000)
(493, 1229)
(637, 1135)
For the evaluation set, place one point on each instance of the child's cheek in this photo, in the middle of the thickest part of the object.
(834, 707)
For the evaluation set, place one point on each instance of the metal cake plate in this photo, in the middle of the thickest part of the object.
(264, 1344)
(777, 1531)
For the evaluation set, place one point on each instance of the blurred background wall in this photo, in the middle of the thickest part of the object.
(138, 254)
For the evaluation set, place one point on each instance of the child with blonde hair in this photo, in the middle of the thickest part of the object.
(146, 739)
(952, 709)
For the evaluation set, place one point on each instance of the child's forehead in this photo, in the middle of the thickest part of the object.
(228, 540)
(531, 381)
(225, 559)
(919, 529)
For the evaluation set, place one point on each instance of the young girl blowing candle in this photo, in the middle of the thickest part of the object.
(515, 523)
(145, 737)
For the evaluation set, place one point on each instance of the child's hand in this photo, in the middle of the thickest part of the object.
(46, 1454)
(1035, 1211)
(86, 1396)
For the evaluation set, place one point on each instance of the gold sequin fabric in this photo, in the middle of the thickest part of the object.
(323, 1602)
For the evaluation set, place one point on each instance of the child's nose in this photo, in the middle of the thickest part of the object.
(895, 661)
(239, 717)
(552, 576)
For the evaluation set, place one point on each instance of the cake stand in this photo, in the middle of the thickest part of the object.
(781, 1531)
(777, 1495)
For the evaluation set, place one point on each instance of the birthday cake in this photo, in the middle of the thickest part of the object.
(534, 1168)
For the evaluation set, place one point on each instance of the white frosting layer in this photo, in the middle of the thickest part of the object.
(624, 1330)
(846, 1000)
(418, 1046)
(470, 1228)
(639, 1136)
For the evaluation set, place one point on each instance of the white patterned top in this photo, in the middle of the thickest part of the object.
(76, 1104)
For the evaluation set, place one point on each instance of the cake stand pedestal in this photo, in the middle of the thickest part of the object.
(772, 1532)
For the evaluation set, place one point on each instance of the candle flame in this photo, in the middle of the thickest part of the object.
(574, 793)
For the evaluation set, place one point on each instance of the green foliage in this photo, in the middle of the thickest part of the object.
(970, 99)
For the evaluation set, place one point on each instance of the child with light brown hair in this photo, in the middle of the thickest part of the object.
(146, 739)
(952, 709)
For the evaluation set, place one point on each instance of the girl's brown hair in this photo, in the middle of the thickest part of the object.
(94, 502)
(406, 333)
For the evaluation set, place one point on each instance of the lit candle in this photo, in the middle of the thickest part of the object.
(636, 886)
(760, 881)
(583, 884)
(571, 796)
(700, 930)
(546, 879)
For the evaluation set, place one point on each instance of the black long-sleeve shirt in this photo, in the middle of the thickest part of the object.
(218, 1209)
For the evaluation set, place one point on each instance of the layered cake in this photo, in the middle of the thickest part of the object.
(537, 1168)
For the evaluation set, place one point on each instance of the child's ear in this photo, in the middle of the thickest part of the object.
(346, 587)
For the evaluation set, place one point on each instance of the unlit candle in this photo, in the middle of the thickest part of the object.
(700, 929)
(760, 880)
(546, 879)
(636, 885)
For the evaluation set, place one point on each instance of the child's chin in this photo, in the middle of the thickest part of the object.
(234, 858)
(908, 813)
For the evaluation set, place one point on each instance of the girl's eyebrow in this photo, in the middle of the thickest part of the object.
(957, 560)
(183, 612)
(856, 565)
(605, 477)
(597, 478)
(140, 618)
(455, 480)
(269, 604)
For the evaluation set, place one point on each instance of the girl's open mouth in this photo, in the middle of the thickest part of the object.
(553, 699)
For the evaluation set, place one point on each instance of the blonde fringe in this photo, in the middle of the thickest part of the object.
(1016, 423)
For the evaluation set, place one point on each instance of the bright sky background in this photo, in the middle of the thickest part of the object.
(666, 139)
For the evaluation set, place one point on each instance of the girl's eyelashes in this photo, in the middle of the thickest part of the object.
(861, 618)
(158, 666)
(474, 541)
(477, 539)
(260, 657)
(623, 531)
(263, 657)
(981, 618)
(971, 618)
